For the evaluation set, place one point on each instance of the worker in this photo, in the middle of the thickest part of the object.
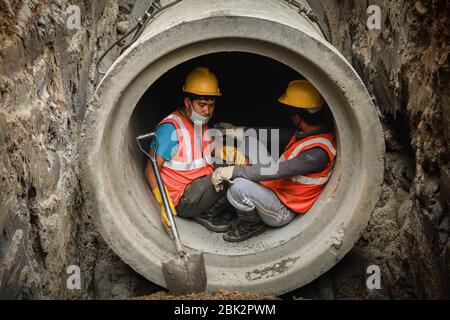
(183, 158)
(306, 163)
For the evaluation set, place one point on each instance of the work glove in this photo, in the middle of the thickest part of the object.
(164, 218)
(220, 175)
(231, 155)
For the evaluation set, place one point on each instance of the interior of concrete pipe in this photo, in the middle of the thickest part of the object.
(248, 100)
(254, 66)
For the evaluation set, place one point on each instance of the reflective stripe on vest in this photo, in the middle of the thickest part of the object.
(308, 180)
(310, 142)
(176, 165)
(190, 164)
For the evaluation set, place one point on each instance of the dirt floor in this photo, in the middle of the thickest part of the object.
(220, 295)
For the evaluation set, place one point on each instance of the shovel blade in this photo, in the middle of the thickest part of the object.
(186, 274)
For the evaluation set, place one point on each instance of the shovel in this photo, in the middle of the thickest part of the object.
(186, 272)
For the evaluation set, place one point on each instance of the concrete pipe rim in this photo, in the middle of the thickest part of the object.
(281, 267)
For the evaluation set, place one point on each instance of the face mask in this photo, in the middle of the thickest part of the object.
(291, 114)
(198, 118)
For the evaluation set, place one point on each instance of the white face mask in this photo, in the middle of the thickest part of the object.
(197, 117)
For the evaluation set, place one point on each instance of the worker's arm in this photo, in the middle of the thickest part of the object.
(309, 161)
(166, 149)
(149, 174)
(283, 135)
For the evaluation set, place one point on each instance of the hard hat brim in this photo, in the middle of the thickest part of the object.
(283, 99)
(199, 93)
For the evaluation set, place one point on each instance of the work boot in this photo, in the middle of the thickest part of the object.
(249, 225)
(218, 218)
(229, 215)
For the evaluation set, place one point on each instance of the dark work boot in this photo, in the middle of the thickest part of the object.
(249, 225)
(218, 217)
(229, 215)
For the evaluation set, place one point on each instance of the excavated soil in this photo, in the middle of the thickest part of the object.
(220, 295)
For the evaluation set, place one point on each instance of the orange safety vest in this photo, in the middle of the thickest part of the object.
(300, 192)
(191, 161)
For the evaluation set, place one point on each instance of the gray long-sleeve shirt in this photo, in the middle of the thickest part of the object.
(309, 161)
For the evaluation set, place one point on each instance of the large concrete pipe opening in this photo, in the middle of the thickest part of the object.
(143, 85)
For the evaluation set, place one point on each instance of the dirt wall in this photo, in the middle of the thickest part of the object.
(405, 65)
(47, 76)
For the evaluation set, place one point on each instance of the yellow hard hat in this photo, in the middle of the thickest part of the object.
(302, 94)
(202, 82)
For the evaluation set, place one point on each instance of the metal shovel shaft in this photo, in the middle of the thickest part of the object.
(165, 200)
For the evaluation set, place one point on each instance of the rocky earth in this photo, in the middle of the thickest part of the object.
(47, 76)
(405, 65)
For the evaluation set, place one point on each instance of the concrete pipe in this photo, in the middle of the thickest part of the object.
(280, 260)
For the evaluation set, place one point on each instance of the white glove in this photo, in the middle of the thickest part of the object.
(220, 175)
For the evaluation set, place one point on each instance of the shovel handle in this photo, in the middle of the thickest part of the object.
(162, 190)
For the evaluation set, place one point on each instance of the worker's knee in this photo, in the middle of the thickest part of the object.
(201, 191)
(193, 192)
(238, 194)
(239, 186)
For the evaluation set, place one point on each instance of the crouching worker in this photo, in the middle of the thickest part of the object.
(183, 158)
(306, 163)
